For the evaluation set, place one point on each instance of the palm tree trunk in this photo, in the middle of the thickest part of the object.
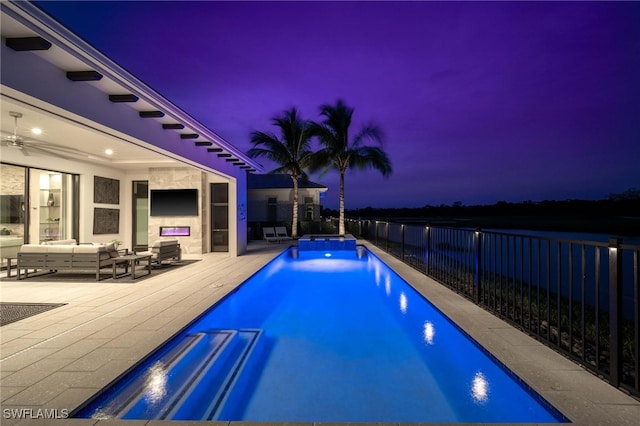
(294, 223)
(341, 218)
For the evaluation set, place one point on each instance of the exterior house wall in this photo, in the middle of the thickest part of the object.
(238, 213)
(258, 203)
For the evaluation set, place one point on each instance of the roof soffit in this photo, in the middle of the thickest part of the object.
(71, 53)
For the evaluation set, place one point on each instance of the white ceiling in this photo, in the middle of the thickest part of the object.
(74, 137)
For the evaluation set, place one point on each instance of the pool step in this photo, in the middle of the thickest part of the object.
(195, 375)
(206, 396)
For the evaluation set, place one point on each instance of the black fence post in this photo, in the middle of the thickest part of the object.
(402, 242)
(615, 311)
(478, 265)
(427, 231)
(375, 231)
(387, 237)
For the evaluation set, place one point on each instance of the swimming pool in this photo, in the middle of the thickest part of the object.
(320, 336)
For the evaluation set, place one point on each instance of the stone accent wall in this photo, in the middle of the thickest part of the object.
(179, 178)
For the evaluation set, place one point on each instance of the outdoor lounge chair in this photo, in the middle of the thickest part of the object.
(281, 233)
(269, 234)
(164, 250)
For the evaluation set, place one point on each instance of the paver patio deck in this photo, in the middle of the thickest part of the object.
(58, 359)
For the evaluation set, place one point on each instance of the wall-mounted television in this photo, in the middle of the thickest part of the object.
(173, 202)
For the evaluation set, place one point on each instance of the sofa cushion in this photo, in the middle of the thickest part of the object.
(60, 249)
(112, 250)
(86, 248)
(60, 242)
(100, 250)
(33, 248)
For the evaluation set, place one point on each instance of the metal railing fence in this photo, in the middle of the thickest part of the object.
(578, 297)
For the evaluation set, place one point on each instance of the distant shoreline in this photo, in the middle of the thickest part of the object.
(613, 226)
(617, 216)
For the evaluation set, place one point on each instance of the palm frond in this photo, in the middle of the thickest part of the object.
(337, 116)
(282, 170)
(321, 161)
(270, 142)
(276, 155)
(369, 157)
(369, 132)
(291, 149)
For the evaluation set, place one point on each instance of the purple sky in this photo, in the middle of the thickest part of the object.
(479, 101)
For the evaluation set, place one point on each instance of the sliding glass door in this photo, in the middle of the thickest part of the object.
(219, 196)
(140, 237)
(53, 206)
(13, 217)
(36, 205)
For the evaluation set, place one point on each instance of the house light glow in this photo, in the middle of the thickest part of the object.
(480, 388)
(404, 304)
(156, 383)
(429, 332)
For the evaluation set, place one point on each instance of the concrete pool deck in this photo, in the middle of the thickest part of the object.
(60, 358)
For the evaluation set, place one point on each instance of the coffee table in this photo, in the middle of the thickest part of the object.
(130, 261)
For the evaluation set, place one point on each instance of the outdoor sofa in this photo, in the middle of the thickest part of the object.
(65, 255)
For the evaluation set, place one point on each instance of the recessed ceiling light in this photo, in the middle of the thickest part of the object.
(108, 151)
(36, 131)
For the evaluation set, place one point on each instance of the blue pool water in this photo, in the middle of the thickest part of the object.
(325, 337)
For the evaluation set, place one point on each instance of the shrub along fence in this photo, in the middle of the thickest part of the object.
(579, 297)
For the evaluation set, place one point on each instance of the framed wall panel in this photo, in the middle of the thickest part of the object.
(106, 221)
(105, 190)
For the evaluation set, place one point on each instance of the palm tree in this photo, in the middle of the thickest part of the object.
(291, 150)
(341, 153)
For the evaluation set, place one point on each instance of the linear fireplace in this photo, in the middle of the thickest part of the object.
(175, 231)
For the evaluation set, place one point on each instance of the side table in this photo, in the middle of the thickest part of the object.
(130, 261)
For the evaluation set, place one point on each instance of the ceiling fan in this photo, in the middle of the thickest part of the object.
(14, 140)
(29, 145)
